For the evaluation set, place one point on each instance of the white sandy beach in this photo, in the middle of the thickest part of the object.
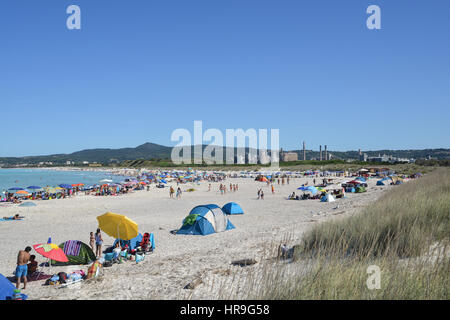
(178, 259)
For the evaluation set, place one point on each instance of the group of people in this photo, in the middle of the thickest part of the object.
(260, 194)
(172, 192)
(96, 242)
(223, 188)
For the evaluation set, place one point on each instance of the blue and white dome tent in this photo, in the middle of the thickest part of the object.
(204, 220)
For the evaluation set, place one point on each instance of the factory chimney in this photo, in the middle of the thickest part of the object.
(304, 150)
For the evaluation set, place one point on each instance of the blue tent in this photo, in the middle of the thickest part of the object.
(204, 220)
(383, 182)
(232, 208)
(7, 289)
(132, 244)
(361, 179)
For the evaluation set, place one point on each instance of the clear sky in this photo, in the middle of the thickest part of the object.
(139, 69)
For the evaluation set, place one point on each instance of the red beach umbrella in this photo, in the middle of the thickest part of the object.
(51, 251)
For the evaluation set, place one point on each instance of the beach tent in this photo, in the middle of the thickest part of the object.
(383, 182)
(7, 289)
(77, 252)
(327, 198)
(132, 244)
(232, 208)
(204, 220)
(360, 189)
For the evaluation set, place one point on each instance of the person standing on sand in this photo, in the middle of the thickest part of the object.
(273, 190)
(98, 243)
(259, 194)
(171, 192)
(262, 195)
(22, 269)
(92, 241)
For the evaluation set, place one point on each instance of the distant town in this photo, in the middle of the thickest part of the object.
(158, 154)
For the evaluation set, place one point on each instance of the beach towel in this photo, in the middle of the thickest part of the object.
(10, 219)
(72, 247)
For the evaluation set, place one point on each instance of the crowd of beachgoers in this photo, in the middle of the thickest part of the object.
(317, 185)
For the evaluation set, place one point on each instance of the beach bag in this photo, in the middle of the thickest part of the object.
(139, 258)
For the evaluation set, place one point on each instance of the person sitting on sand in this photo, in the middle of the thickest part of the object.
(117, 250)
(32, 266)
(22, 269)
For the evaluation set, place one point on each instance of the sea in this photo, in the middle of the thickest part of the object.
(23, 178)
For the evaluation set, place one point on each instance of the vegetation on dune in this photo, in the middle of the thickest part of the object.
(405, 233)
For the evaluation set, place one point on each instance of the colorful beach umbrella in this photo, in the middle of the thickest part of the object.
(118, 226)
(15, 189)
(51, 251)
(65, 186)
(22, 193)
(311, 189)
(34, 188)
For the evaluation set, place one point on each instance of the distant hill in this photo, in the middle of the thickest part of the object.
(152, 151)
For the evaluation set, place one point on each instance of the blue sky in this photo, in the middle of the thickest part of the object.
(139, 69)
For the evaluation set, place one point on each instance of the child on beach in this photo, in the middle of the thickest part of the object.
(92, 240)
(98, 243)
(32, 265)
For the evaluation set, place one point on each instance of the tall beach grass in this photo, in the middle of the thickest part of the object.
(405, 233)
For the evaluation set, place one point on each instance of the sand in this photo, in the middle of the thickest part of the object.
(178, 259)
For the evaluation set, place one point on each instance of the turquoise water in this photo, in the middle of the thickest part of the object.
(23, 178)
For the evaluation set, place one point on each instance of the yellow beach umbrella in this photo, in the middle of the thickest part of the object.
(118, 226)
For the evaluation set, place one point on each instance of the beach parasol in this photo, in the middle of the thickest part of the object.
(105, 181)
(15, 189)
(311, 189)
(65, 186)
(78, 185)
(51, 251)
(118, 226)
(22, 193)
(34, 188)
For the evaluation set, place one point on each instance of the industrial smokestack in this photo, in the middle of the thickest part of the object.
(326, 156)
(304, 150)
(320, 152)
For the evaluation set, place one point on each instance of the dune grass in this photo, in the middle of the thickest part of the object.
(405, 233)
